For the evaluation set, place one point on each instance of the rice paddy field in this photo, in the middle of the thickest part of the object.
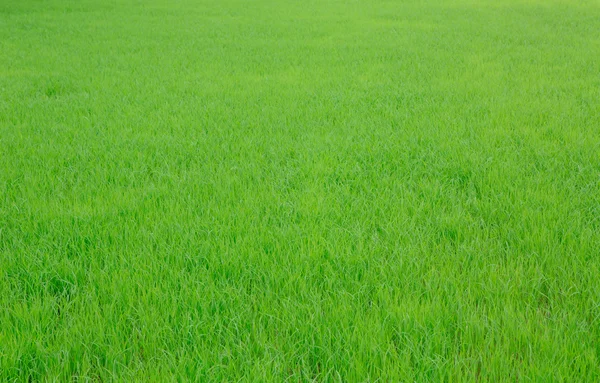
(318, 190)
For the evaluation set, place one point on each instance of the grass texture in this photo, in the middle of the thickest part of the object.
(319, 190)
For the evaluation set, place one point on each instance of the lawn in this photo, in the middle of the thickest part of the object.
(319, 190)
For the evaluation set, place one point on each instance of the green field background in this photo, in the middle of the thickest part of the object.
(261, 190)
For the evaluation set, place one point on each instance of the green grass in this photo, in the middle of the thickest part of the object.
(320, 190)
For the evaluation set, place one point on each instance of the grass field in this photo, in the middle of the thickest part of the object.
(331, 190)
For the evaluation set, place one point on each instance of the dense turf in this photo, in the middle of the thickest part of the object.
(307, 190)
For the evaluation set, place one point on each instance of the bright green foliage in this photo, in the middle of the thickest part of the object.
(317, 190)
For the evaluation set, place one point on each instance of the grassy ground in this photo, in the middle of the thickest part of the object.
(328, 190)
